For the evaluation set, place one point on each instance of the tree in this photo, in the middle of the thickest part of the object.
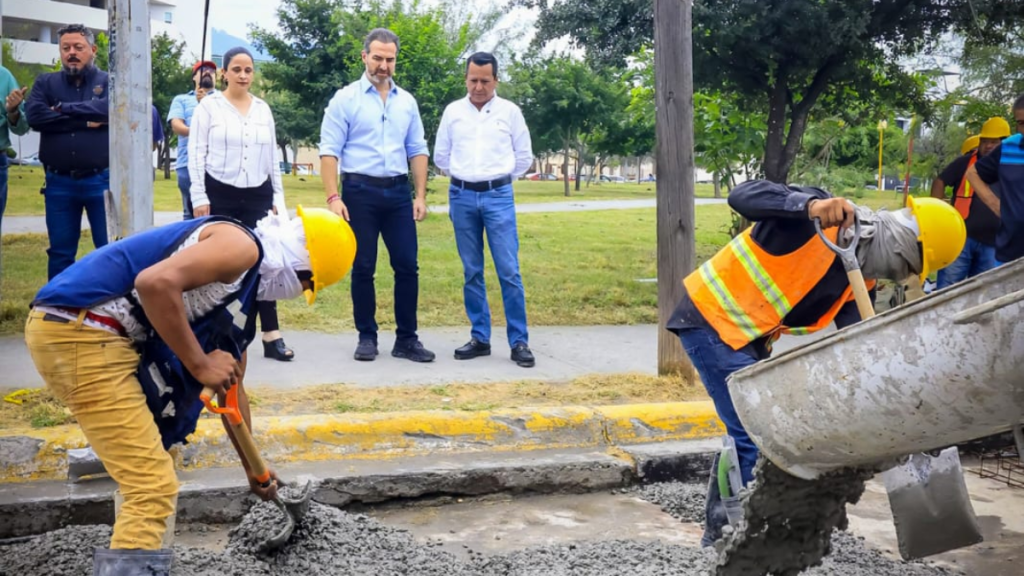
(318, 50)
(786, 55)
(568, 99)
(170, 78)
(296, 125)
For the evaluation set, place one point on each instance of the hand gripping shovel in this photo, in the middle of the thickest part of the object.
(293, 508)
(927, 494)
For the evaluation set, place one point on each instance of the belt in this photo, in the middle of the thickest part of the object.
(375, 181)
(482, 186)
(106, 321)
(77, 174)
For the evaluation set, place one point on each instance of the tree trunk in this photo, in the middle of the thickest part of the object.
(674, 157)
(775, 139)
(717, 182)
(565, 167)
(579, 162)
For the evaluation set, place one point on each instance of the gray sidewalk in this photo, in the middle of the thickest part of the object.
(563, 353)
(26, 224)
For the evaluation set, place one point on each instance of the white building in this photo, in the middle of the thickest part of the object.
(31, 25)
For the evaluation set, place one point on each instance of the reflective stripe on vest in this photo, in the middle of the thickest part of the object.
(744, 293)
(964, 194)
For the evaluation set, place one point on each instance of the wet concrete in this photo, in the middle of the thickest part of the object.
(603, 533)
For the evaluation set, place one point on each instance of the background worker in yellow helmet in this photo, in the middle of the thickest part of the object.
(1005, 165)
(779, 277)
(128, 337)
(979, 253)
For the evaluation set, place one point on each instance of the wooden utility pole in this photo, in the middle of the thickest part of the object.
(673, 73)
(131, 120)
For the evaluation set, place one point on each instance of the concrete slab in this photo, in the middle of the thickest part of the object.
(563, 353)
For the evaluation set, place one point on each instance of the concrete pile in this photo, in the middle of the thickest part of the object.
(330, 541)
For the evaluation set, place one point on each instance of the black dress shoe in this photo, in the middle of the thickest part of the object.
(366, 351)
(522, 356)
(412, 351)
(472, 349)
(277, 350)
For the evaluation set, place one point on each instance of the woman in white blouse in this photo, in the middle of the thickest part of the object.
(231, 164)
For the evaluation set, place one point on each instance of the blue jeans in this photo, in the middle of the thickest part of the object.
(472, 214)
(973, 260)
(386, 213)
(3, 186)
(184, 186)
(715, 361)
(65, 198)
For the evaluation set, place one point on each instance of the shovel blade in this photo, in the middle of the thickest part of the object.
(926, 493)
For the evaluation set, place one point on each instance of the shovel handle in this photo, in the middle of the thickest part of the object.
(860, 294)
(241, 432)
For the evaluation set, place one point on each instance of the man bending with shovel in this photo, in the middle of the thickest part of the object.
(779, 276)
(129, 336)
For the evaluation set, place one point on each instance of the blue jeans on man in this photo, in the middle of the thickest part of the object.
(386, 213)
(184, 186)
(65, 198)
(975, 258)
(492, 211)
(715, 361)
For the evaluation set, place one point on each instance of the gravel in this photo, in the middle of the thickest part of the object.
(330, 541)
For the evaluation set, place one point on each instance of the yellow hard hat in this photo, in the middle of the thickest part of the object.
(995, 127)
(969, 144)
(331, 245)
(941, 232)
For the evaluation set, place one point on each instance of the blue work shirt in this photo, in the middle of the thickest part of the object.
(1005, 165)
(369, 136)
(65, 141)
(182, 108)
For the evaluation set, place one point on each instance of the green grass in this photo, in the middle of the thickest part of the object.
(25, 200)
(579, 268)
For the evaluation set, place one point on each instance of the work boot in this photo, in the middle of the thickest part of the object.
(715, 517)
(108, 562)
(522, 356)
(412, 350)
(473, 349)
(366, 351)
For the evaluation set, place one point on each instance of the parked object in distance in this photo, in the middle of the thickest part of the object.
(539, 176)
(607, 178)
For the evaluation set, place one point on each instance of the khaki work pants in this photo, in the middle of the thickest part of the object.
(93, 372)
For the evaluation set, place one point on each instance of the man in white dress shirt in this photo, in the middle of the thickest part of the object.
(483, 144)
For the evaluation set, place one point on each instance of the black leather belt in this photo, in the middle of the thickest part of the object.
(77, 174)
(482, 186)
(375, 181)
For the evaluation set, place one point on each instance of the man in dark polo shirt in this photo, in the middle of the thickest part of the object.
(979, 253)
(1005, 165)
(69, 110)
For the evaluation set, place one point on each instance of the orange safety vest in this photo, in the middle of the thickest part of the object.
(744, 293)
(965, 194)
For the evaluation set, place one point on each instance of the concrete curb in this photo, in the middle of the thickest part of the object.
(222, 496)
(41, 454)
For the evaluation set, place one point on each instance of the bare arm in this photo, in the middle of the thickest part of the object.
(982, 189)
(223, 253)
(179, 127)
(418, 167)
(938, 188)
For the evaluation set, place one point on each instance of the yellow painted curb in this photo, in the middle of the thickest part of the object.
(34, 454)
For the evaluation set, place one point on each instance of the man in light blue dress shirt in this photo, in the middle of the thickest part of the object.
(373, 135)
(180, 116)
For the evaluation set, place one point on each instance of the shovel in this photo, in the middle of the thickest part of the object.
(293, 508)
(928, 490)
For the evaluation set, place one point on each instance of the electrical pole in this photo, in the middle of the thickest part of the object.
(673, 73)
(131, 120)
